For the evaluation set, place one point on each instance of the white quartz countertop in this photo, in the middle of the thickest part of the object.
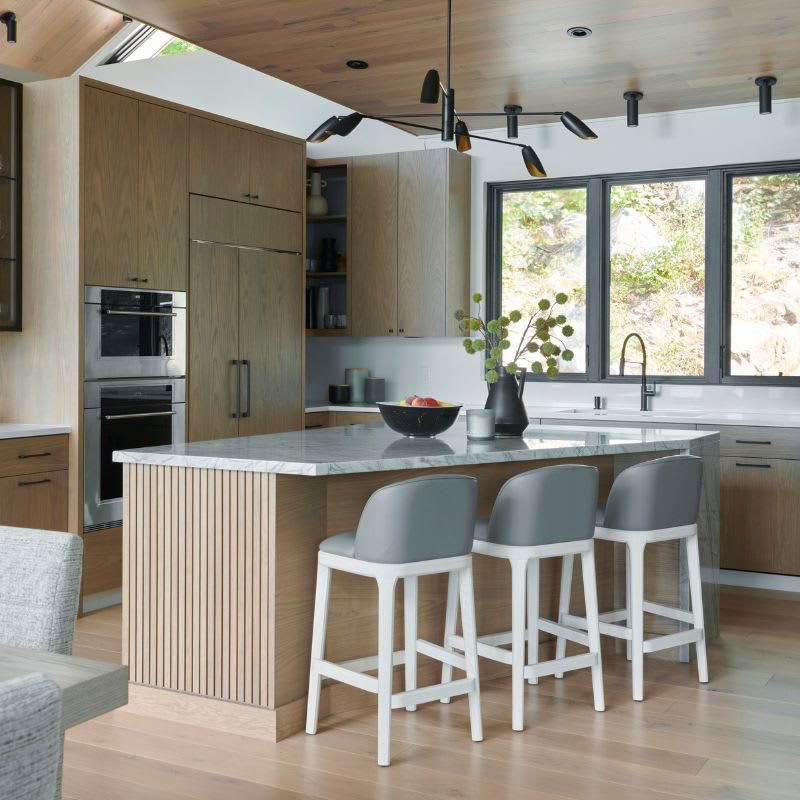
(17, 430)
(675, 416)
(374, 448)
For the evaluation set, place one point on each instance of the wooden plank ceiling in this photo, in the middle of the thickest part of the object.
(680, 53)
(55, 37)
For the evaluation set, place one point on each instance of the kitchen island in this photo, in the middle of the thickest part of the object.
(220, 547)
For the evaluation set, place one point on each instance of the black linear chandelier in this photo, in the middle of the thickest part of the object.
(452, 125)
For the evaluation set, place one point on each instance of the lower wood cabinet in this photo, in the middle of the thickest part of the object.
(336, 419)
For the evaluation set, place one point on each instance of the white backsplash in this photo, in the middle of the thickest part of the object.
(440, 368)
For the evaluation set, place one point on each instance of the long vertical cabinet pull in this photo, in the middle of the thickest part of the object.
(237, 365)
(246, 363)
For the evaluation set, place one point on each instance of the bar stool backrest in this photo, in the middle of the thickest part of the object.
(545, 506)
(663, 493)
(418, 520)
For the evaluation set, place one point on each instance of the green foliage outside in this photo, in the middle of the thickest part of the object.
(177, 47)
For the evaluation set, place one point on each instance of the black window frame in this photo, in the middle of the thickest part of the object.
(719, 182)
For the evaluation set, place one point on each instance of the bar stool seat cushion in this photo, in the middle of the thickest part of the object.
(342, 544)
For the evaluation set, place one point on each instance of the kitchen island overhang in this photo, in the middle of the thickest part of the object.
(221, 538)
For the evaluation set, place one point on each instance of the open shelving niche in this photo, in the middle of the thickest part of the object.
(336, 223)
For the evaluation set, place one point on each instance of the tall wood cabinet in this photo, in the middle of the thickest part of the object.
(410, 242)
(245, 323)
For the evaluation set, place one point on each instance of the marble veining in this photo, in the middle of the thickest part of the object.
(374, 448)
(19, 430)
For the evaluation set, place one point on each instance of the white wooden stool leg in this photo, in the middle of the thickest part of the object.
(696, 591)
(410, 594)
(637, 617)
(563, 604)
(628, 599)
(450, 620)
(518, 571)
(467, 596)
(593, 626)
(533, 615)
(317, 645)
(385, 653)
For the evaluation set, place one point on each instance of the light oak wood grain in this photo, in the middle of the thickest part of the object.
(219, 159)
(352, 418)
(33, 454)
(757, 442)
(37, 500)
(102, 561)
(277, 172)
(457, 247)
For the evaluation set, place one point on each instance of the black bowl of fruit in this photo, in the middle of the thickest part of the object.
(419, 417)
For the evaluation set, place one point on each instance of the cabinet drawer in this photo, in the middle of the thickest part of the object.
(318, 419)
(757, 442)
(344, 418)
(38, 500)
(33, 454)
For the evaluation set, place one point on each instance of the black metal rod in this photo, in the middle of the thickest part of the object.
(472, 135)
(449, 37)
(448, 115)
(476, 114)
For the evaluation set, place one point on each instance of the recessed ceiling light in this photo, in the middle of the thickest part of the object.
(357, 63)
(579, 32)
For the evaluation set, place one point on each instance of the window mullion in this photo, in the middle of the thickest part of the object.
(595, 279)
(715, 268)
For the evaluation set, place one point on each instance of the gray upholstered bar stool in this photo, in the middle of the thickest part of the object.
(655, 501)
(544, 513)
(423, 526)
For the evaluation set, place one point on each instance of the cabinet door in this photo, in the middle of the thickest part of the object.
(760, 508)
(163, 198)
(219, 159)
(277, 172)
(421, 237)
(271, 340)
(374, 245)
(213, 341)
(37, 500)
(110, 188)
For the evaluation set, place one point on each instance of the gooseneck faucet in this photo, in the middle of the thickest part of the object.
(645, 391)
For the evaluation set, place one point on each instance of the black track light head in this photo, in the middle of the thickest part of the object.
(463, 142)
(430, 87)
(512, 120)
(577, 126)
(344, 126)
(532, 163)
(324, 131)
(9, 19)
(632, 99)
(765, 84)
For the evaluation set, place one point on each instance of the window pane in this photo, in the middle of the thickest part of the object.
(765, 275)
(544, 253)
(658, 275)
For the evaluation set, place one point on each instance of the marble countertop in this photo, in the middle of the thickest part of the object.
(17, 430)
(374, 448)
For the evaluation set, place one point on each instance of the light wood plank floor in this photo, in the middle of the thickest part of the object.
(738, 737)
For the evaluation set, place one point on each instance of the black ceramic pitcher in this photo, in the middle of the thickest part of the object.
(505, 397)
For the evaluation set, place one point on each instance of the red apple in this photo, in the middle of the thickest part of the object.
(427, 402)
(410, 399)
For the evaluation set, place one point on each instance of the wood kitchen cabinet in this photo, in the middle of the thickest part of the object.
(234, 163)
(410, 242)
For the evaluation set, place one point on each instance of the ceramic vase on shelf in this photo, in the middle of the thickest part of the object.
(316, 204)
(505, 398)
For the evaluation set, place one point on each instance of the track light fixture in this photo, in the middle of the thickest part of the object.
(632, 99)
(9, 19)
(452, 126)
(765, 84)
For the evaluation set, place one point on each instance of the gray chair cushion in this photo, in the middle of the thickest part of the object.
(342, 544)
(545, 506)
(662, 493)
(40, 579)
(30, 738)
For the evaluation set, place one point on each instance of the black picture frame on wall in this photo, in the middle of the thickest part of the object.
(11, 184)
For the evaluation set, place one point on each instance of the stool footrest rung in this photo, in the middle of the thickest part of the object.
(548, 626)
(678, 614)
(425, 648)
(329, 669)
(369, 663)
(560, 665)
(671, 640)
(438, 691)
(618, 615)
(606, 628)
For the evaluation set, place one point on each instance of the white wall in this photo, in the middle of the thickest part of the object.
(439, 366)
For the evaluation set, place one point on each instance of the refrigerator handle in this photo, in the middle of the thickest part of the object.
(238, 376)
(246, 363)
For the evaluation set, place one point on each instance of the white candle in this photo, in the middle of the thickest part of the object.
(480, 423)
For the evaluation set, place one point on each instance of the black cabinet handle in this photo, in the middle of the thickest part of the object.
(254, 197)
(751, 441)
(755, 466)
(144, 280)
(34, 483)
(391, 330)
(401, 330)
(246, 195)
(33, 455)
(133, 280)
(238, 372)
(246, 363)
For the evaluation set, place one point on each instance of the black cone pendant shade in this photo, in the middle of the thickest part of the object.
(532, 163)
(346, 125)
(430, 87)
(463, 142)
(577, 126)
(324, 131)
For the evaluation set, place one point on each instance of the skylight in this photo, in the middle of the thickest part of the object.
(149, 42)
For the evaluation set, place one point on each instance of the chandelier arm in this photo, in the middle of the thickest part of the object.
(449, 37)
(398, 121)
(520, 114)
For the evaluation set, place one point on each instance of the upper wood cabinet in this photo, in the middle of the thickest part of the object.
(374, 245)
(110, 164)
(410, 243)
(234, 163)
(135, 192)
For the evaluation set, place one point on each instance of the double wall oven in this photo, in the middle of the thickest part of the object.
(134, 387)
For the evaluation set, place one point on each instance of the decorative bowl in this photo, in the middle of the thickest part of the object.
(421, 422)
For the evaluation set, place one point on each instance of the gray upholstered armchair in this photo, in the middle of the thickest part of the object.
(30, 739)
(40, 577)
